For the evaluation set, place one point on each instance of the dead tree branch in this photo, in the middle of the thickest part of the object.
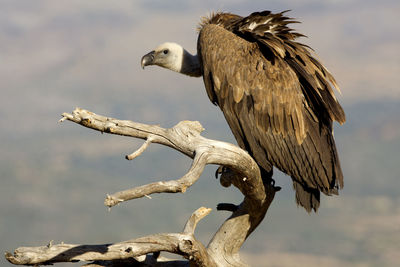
(223, 249)
(184, 244)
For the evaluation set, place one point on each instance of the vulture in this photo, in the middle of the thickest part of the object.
(275, 94)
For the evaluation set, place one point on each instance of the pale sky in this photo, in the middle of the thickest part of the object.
(357, 40)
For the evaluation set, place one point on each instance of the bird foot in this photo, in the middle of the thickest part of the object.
(227, 206)
(220, 171)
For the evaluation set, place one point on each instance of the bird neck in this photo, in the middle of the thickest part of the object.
(190, 65)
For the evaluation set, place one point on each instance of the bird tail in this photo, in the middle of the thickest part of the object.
(306, 197)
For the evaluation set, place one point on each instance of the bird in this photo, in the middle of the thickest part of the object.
(276, 96)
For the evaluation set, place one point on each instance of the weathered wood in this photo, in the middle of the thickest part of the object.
(223, 249)
(184, 244)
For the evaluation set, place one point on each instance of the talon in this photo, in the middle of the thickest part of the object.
(227, 207)
(219, 171)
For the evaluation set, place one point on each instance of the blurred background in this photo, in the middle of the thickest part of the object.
(58, 55)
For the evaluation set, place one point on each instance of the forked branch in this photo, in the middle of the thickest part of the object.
(185, 137)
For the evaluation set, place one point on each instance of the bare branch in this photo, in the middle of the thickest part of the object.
(140, 150)
(175, 243)
(223, 249)
(184, 137)
(184, 244)
(194, 219)
(172, 186)
(138, 130)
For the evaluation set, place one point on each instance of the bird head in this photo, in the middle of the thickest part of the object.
(166, 55)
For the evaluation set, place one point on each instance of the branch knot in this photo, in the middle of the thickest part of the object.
(188, 128)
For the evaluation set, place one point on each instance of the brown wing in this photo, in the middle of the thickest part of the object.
(270, 116)
(278, 40)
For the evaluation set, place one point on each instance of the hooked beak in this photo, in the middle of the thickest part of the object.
(148, 59)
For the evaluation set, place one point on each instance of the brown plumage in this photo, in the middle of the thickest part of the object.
(276, 97)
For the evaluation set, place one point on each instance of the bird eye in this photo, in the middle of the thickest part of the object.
(165, 51)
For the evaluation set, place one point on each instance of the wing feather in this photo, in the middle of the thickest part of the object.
(280, 108)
